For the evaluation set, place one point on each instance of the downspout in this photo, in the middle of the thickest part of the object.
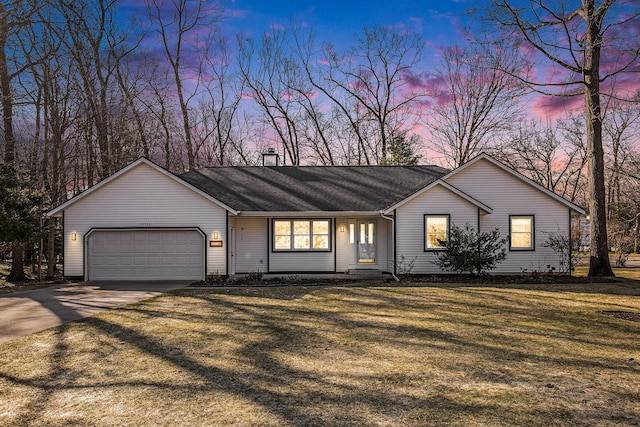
(393, 241)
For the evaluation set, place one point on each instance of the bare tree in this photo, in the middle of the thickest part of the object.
(477, 102)
(97, 45)
(223, 89)
(573, 37)
(179, 23)
(55, 105)
(270, 73)
(541, 152)
(15, 23)
(620, 125)
(372, 84)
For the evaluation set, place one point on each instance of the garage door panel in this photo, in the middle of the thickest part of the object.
(146, 255)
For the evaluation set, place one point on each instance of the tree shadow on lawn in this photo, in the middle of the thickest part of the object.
(549, 283)
(293, 404)
(493, 348)
(490, 343)
(536, 315)
(349, 328)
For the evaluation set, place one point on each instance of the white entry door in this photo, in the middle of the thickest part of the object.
(366, 242)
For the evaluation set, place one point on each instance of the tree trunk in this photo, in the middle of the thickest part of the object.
(17, 264)
(599, 264)
(51, 250)
(7, 99)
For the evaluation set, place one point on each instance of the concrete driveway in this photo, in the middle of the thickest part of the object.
(23, 313)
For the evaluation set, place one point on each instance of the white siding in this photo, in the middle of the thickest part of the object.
(344, 250)
(143, 198)
(382, 225)
(252, 244)
(509, 195)
(410, 225)
(301, 262)
(390, 260)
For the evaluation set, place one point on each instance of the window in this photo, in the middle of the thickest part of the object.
(436, 230)
(521, 232)
(301, 235)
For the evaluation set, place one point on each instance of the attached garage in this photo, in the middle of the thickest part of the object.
(167, 254)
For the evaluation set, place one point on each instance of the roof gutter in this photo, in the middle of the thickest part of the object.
(393, 240)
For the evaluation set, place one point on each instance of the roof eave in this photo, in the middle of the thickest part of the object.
(445, 185)
(305, 214)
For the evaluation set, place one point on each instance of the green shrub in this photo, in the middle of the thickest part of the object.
(470, 251)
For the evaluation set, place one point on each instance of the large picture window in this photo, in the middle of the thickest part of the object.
(301, 234)
(436, 231)
(521, 232)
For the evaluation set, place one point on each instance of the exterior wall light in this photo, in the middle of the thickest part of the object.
(342, 228)
(216, 235)
(74, 236)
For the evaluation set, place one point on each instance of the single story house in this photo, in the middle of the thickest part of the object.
(145, 223)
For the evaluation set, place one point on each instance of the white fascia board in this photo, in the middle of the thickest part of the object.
(307, 214)
(57, 212)
(518, 175)
(445, 185)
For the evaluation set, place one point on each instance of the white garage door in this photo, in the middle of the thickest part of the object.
(146, 255)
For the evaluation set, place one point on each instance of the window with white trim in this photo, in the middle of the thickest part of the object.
(301, 235)
(436, 231)
(521, 232)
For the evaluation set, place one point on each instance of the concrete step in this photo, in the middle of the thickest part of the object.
(365, 272)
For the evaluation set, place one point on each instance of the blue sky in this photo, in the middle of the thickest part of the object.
(339, 20)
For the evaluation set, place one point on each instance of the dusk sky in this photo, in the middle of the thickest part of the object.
(338, 21)
(440, 24)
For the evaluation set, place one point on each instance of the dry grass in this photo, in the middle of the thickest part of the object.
(387, 356)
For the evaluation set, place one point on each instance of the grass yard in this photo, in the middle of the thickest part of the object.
(437, 354)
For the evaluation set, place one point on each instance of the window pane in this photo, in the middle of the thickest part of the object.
(436, 231)
(301, 227)
(301, 234)
(320, 242)
(522, 232)
(282, 227)
(522, 225)
(283, 242)
(301, 242)
(320, 227)
(352, 233)
(521, 240)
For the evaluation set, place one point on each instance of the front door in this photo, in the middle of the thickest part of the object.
(366, 242)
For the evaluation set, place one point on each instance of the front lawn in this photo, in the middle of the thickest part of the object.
(440, 354)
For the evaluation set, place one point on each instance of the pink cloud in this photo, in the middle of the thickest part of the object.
(556, 106)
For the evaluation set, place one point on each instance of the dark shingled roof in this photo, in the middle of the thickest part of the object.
(312, 188)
